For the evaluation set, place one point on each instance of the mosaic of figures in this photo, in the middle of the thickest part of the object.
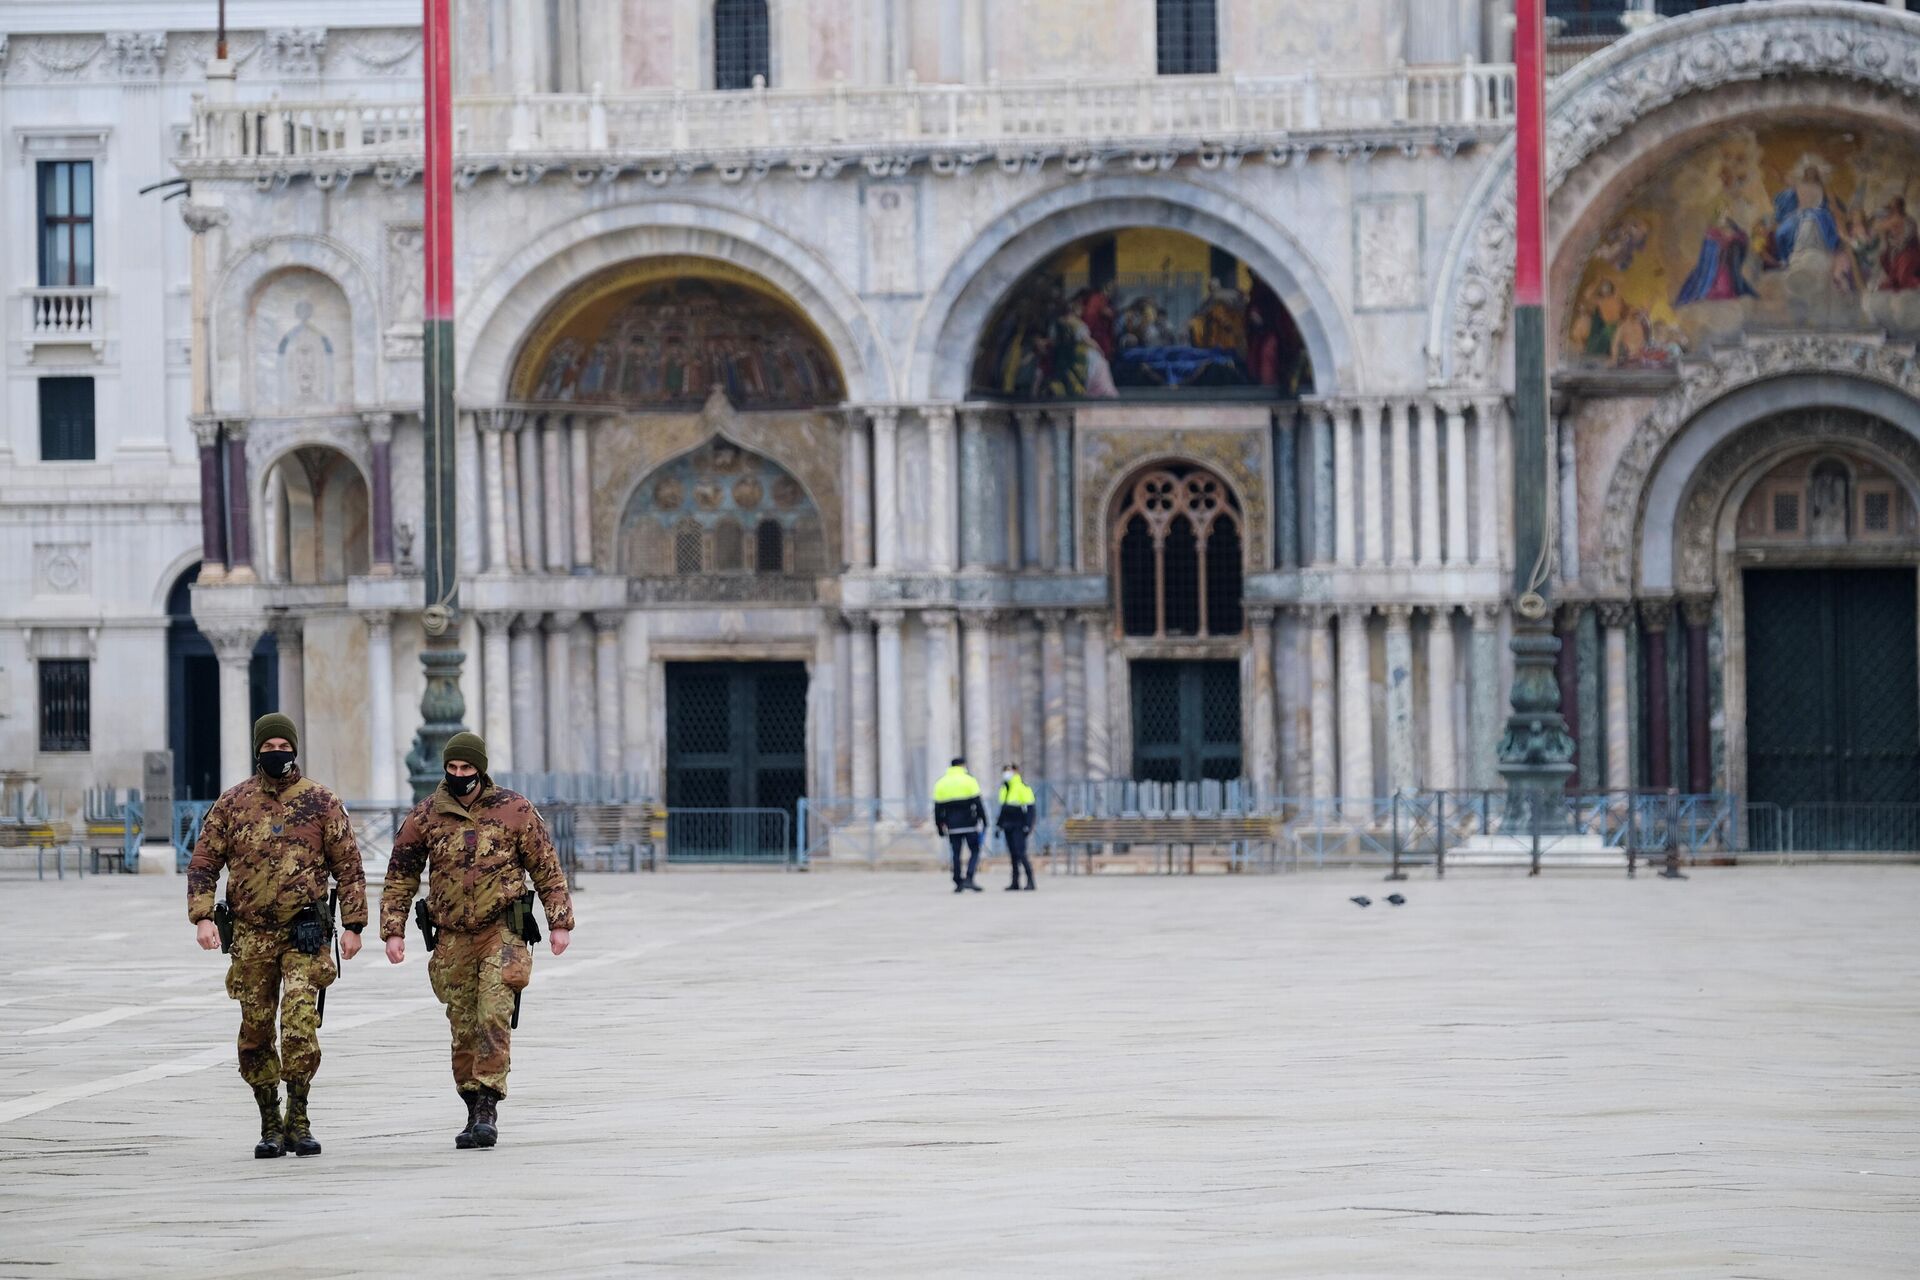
(1776, 228)
(1141, 312)
(671, 343)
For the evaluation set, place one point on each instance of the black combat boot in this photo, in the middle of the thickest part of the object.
(485, 1119)
(271, 1145)
(300, 1139)
(464, 1139)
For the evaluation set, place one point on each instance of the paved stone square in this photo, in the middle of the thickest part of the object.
(861, 1074)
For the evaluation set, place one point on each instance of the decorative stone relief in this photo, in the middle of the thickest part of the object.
(62, 568)
(1389, 234)
(297, 52)
(1632, 79)
(302, 344)
(387, 51)
(405, 282)
(56, 57)
(891, 229)
(1107, 457)
(1705, 380)
(137, 55)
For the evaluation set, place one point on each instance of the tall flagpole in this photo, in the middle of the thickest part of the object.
(442, 709)
(1536, 753)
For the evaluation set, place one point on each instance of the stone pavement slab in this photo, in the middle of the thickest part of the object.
(865, 1075)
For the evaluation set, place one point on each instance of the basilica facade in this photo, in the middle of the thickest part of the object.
(851, 385)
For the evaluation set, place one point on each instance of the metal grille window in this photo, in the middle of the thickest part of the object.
(1876, 511)
(1786, 511)
(740, 53)
(66, 224)
(687, 548)
(1177, 552)
(1187, 40)
(65, 704)
(769, 548)
(66, 419)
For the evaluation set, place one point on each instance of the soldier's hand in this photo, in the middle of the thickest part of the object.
(396, 949)
(349, 944)
(208, 936)
(562, 939)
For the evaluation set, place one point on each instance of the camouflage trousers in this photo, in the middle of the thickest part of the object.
(269, 978)
(475, 975)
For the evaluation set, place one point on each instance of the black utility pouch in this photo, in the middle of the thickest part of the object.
(308, 931)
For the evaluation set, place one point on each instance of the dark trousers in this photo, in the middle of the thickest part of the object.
(1017, 853)
(971, 839)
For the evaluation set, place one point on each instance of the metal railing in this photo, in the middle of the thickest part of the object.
(746, 835)
(952, 118)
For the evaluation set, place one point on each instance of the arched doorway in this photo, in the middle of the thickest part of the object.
(318, 526)
(193, 695)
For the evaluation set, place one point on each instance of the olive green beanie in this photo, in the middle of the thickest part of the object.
(470, 747)
(274, 725)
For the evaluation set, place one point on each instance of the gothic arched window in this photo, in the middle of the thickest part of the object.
(740, 44)
(1177, 552)
(769, 548)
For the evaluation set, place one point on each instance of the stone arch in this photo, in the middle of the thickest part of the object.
(231, 313)
(512, 300)
(1631, 80)
(952, 320)
(1716, 398)
(317, 515)
(663, 505)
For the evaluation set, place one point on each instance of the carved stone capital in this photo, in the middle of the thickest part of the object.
(232, 641)
(202, 218)
(1696, 611)
(889, 620)
(379, 424)
(607, 621)
(1656, 613)
(1399, 616)
(206, 431)
(561, 621)
(1615, 613)
(495, 620)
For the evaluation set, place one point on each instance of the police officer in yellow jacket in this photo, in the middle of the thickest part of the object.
(961, 818)
(1015, 821)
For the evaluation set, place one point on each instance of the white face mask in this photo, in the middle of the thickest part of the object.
(1007, 776)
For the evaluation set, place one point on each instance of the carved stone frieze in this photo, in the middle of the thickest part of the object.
(297, 52)
(137, 55)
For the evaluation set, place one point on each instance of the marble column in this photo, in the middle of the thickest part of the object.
(1490, 415)
(493, 472)
(1569, 471)
(1053, 694)
(982, 505)
(1262, 730)
(1027, 422)
(1567, 674)
(639, 736)
(289, 635)
(1290, 702)
(213, 502)
(1429, 451)
(1443, 772)
(1403, 764)
(977, 680)
(511, 505)
(1697, 613)
(1489, 697)
(1614, 617)
(1372, 483)
(1063, 513)
(239, 505)
(382, 771)
(380, 439)
(865, 780)
(553, 484)
(527, 692)
(233, 650)
(496, 684)
(1346, 527)
(1402, 443)
(1076, 703)
(843, 731)
(1653, 633)
(470, 541)
(857, 441)
(944, 739)
(562, 741)
(580, 443)
(1323, 474)
(1323, 766)
(1356, 708)
(886, 490)
(1025, 640)
(891, 715)
(1286, 491)
(942, 514)
(1094, 627)
(532, 532)
(1457, 551)
(606, 685)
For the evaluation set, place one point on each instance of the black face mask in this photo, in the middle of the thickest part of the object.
(276, 763)
(461, 788)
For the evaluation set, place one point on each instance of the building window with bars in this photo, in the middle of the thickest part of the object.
(65, 704)
(1187, 41)
(66, 224)
(66, 419)
(740, 51)
(1177, 556)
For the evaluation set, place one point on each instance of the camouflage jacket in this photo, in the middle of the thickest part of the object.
(279, 839)
(477, 862)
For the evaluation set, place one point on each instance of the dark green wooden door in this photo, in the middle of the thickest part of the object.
(1186, 721)
(1833, 693)
(736, 740)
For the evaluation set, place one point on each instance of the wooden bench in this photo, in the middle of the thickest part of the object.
(1168, 833)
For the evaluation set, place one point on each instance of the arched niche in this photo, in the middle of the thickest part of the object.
(725, 520)
(301, 331)
(317, 517)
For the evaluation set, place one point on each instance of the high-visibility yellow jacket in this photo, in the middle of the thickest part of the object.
(1016, 805)
(956, 802)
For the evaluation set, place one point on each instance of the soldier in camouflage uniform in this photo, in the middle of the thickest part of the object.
(478, 844)
(280, 837)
